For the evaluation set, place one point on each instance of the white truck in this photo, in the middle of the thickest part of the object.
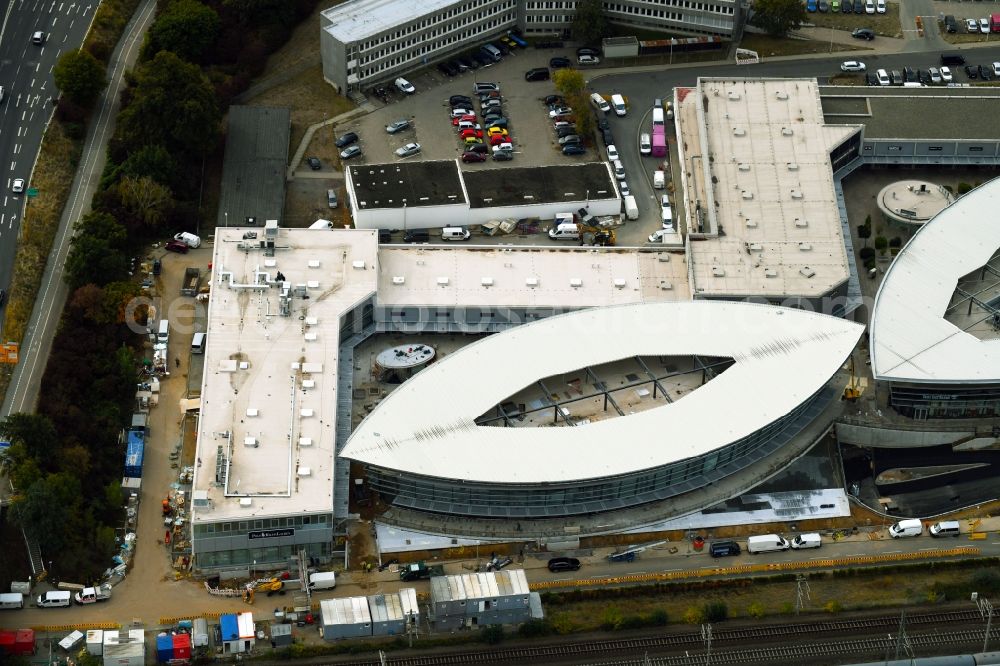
(631, 208)
(91, 595)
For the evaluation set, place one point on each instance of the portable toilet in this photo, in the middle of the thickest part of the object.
(182, 646)
(164, 648)
(281, 635)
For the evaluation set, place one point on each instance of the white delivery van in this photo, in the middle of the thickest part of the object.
(618, 104)
(455, 234)
(769, 543)
(657, 115)
(188, 239)
(631, 209)
(198, 343)
(812, 540)
(11, 600)
(163, 333)
(906, 528)
(659, 180)
(565, 231)
(324, 580)
(945, 528)
(57, 599)
(600, 103)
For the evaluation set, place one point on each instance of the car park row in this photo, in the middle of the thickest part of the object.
(932, 76)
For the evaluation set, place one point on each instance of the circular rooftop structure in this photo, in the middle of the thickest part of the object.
(423, 447)
(405, 357)
(913, 201)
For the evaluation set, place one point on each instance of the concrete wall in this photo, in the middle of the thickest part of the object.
(457, 215)
(889, 438)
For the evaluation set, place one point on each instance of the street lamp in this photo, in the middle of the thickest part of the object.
(254, 571)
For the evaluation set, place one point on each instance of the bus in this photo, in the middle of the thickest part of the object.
(659, 142)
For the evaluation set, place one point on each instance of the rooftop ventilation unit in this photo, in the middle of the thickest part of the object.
(786, 131)
(246, 502)
(312, 321)
(747, 195)
(796, 194)
(250, 442)
(487, 282)
(442, 281)
(770, 272)
(792, 166)
(619, 283)
(305, 471)
(314, 263)
(312, 284)
(805, 247)
(718, 271)
(531, 282)
(575, 282)
(398, 279)
(663, 257)
(305, 441)
(310, 337)
(801, 223)
(359, 264)
(252, 412)
(733, 96)
(308, 383)
(807, 272)
(666, 285)
(755, 247)
(306, 413)
(782, 95)
(739, 131)
(743, 166)
(751, 224)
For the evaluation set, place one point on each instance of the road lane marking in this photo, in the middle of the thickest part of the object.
(920, 549)
(892, 552)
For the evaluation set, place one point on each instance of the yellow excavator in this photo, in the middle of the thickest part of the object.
(853, 390)
(272, 586)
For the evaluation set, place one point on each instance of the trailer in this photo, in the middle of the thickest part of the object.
(192, 280)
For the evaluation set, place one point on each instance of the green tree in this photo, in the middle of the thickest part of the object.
(493, 634)
(153, 162)
(881, 243)
(186, 27)
(33, 431)
(79, 76)
(145, 198)
(173, 105)
(777, 17)
(865, 230)
(612, 618)
(715, 611)
(48, 507)
(589, 24)
(568, 81)
(97, 253)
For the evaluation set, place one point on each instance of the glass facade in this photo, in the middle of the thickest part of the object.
(945, 401)
(540, 500)
(266, 541)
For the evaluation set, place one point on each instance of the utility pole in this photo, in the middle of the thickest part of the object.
(902, 640)
(706, 635)
(985, 610)
(801, 592)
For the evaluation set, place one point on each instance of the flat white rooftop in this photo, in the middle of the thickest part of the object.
(269, 390)
(756, 161)
(528, 276)
(911, 340)
(357, 20)
(782, 357)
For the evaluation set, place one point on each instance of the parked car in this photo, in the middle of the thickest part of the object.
(645, 147)
(883, 77)
(397, 126)
(624, 188)
(331, 198)
(477, 148)
(859, 6)
(971, 71)
(469, 156)
(984, 26)
(574, 149)
(557, 564)
(537, 74)
(811, 5)
(612, 153)
(405, 86)
(560, 111)
(447, 69)
(588, 50)
(459, 100)
(863, 33)
(971, 25)
(869, 6)
(985, 72)
(852, 66)
(408, 149)
(468, 118)
(558, 100)
(880, 6)
(314, 163)
(502, 155)
(607, 137)
(459, 111)
(504, 147)
(176, 246)
(588, 60)
(559, 63)
(565, 131)
(350, 152)
(996, 70)
(346, 140)
(570, 138)
(723, 548)
(824, 6)
(847, 6)
(466, 133)
(946, 75)
(935, 75)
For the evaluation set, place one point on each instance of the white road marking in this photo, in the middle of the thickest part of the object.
(892, 552)
(896, 551)
(669, 570)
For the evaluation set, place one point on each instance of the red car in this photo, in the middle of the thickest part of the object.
(466, 133)
(469, 156)
(176, 246)
(497, 139)
(470, 118)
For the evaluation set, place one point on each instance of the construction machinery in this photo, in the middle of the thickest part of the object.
(271, 586)
(853, 390)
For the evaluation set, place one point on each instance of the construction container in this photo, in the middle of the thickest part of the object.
(95, 642)
(199, 632)
(346, 617)
(124, 648)
(281, 635)
(17, 643)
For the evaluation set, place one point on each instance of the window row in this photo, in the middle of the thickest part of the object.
(440, 18)
(262, 556)
(244, 526)
(680, 4)
(482, 25)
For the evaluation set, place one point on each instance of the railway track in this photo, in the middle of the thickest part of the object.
(748, 636)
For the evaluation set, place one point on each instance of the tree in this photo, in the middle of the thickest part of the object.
(777, 17)
(589, 24)
(145, 198)
(881, 243)
(79, 76)
(186, 27)
(865, 230)
(97, 254)
(173, 105)
(35, 432)
(152, 161)
(568, 81)
(47, 508)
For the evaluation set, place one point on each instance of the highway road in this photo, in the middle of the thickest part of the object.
(26, 77)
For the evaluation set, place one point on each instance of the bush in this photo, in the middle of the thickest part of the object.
(612, 618)
(716, 611)
(896, 241)
(492, 634)
(963, 188)
(659, 618)
(870, 264)
(881, 243)
(832, 607)
(866, 253)
(986, 581)
(534, 629)
(756, 610)
(694, 615)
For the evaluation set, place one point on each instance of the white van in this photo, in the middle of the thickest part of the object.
(618, 103)
(945, 528)
(11, 600)
(657, 115)
(600, 103)
(910, 527)
(455, 234)
(198, 343)
(565, 231)
(659, 180)
(163, 333)
(768, 543)
(812, 540)
(188, 239)
(619, 169)
(631, 209)
(324, 580)
(57, 599)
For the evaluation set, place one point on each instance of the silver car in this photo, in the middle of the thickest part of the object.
(408, 149)
(397, 126)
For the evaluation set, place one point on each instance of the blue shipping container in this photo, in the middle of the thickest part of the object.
(133, 454)
(164, 648)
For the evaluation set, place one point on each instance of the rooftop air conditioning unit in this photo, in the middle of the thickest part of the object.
(246, 502)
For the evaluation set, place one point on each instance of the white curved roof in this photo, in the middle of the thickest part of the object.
(910, 338)
(427, 427)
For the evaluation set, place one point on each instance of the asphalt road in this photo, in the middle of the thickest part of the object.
(26, 76)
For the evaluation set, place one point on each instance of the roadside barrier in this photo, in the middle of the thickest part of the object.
(961, 551)
(77, 627)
